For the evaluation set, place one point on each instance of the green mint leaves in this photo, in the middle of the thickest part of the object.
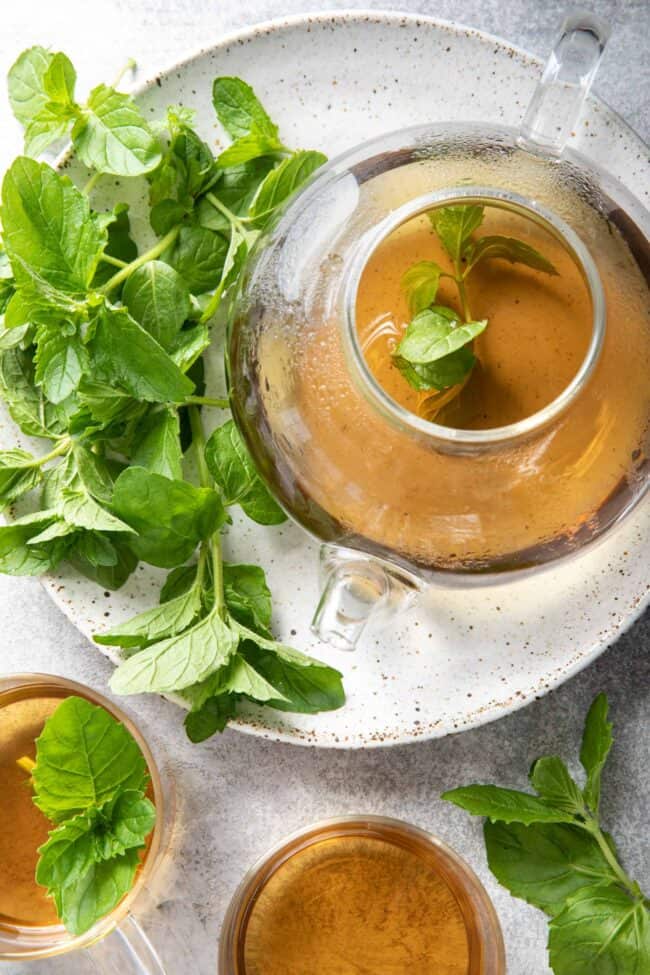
(101, 356)
(90, 777)
(436, 352)
(551, 851)
(433, 353)
(109, 133)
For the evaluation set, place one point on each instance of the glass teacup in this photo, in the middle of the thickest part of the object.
(286, 899)
(31, 930)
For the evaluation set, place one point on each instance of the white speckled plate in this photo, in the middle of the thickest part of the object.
(461, 658)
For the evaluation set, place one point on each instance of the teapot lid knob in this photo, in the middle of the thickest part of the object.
(568, 75)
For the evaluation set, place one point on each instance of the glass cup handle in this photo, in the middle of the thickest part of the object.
(355, 588)
(568, 75)
(126, 951)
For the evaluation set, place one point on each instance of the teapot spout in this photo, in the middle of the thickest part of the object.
(355, 589)
(568, 75)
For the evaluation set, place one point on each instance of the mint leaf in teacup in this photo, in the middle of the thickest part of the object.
(90, 777)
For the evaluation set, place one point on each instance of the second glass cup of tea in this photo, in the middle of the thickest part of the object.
(361, 893)
(29, 927)
(400, 500)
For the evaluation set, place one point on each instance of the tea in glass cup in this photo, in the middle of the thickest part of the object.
(364, 894)
(30, 927)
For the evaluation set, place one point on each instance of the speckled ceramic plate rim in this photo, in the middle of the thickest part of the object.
(586, 655)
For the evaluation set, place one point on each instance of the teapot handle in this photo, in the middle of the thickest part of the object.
(568, 75)
(355, 588)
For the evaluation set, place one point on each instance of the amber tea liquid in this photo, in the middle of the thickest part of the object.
(370, 481)
(23, 827)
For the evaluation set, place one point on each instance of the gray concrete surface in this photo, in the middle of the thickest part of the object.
(237, 795)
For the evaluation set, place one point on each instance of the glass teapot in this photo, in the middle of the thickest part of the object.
(398, 501)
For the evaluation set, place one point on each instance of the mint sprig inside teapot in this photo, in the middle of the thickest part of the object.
(436, 351)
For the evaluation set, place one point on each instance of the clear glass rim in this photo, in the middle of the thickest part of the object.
(50, 940)
(489, 928)
(452, 436)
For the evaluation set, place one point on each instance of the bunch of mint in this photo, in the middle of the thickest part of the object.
(90, 778)
(101, 347)
(550, 850)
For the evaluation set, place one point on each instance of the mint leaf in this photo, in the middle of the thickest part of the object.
(550, 777)
(248, 147)
(48, 126)
(50, 235)
(505, 805)
(179, 661)
(68, 853)
(180, 580)
(233, 469)
(283, 181)
(297, 682)
(78, 493)
(158, 299)
(241, 677)
(27, 93)
(442, 374)
(165, 620)
(100, 833)
(59, 80)
(109, 576)
(544, 864)
(199, 256)
(20, 558)
(25, 402)
(102, 887)
(597, 741)
(60, 361)
(431, 336)
(211, 718)
(158, 447)
(601, 931)
(455, 225)
(170, 517)
(84, 757)
(239, 110)
(509, 249)
(125, 354)
(420, 285)
(111, 135)
(19, 473)
(247, 596)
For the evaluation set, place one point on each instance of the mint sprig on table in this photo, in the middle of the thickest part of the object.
(90, 779)
(550, 849)
(101, 358)
(436, 352)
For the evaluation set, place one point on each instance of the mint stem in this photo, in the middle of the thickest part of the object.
(149, 255)
(592, 826)
(462, 292)
(61, 448)
(228, 214)
(198, 438)
(219, 404)
(115, 261)
(129, 66)
(92, 182)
